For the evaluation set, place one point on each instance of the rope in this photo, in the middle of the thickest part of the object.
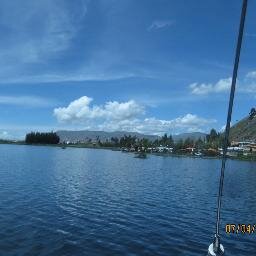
(227, 130)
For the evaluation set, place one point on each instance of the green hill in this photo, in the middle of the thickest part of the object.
(244, 130)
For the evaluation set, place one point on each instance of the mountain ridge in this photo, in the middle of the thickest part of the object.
(103, 136)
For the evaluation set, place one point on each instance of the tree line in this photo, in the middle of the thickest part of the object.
(213, 140)
(42, 138)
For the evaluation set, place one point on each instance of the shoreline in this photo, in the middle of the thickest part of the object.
(238, 158)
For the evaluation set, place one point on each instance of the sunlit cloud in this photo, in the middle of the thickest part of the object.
(223, 85)
(126, 116)
(246, 84)
(80, 110)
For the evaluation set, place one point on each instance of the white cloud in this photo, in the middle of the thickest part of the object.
(39, 33)
(247, 84)
(186, 123)
(37, 30)
(73, 77)
(126, 116)
(80, 111)
(223, 85)
(151, 125)
(30, 101)
(251, 74)
(159, 24)
(4, 135)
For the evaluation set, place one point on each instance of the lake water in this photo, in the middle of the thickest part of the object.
(103, 202)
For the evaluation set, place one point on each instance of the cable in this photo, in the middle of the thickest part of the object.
(216, 244)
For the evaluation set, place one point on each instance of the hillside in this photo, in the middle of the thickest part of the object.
(192, 135)
(243, 130)
(85, 136)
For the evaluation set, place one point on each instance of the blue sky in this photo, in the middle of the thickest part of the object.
(151, 66)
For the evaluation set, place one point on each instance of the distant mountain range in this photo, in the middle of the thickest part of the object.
(244, 130)
(191, 135)
(86, 136)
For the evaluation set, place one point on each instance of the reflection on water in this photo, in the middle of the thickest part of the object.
(100, 202)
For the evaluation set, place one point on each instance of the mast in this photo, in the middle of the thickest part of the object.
(216, 248)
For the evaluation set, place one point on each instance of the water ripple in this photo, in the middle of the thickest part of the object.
(98, 202)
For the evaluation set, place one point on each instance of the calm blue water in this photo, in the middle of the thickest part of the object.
(101, 202)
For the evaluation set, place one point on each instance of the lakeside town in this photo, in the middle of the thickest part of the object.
(208, 146)
(242, 141)
(237, 149)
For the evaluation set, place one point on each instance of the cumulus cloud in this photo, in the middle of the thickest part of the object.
(80, 111)
(246, 84)
(126, 116)
(152, 125)
(159, 24)
(223, 85)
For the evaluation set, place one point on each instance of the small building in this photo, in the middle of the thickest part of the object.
(190, 150)
(166, 149)
(243, 146)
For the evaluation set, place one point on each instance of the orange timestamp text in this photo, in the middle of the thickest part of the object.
(240, 228)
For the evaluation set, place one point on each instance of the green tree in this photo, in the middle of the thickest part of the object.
(170, 141)
(188, 143)
(179, 145)
(199, 144)
(42, 138)
(213, 135)
(145, 143)
(115, 141)
(164, 140)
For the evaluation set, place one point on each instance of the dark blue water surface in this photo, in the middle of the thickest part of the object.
(102, 202)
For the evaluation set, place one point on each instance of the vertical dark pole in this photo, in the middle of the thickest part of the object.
(216, 243)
